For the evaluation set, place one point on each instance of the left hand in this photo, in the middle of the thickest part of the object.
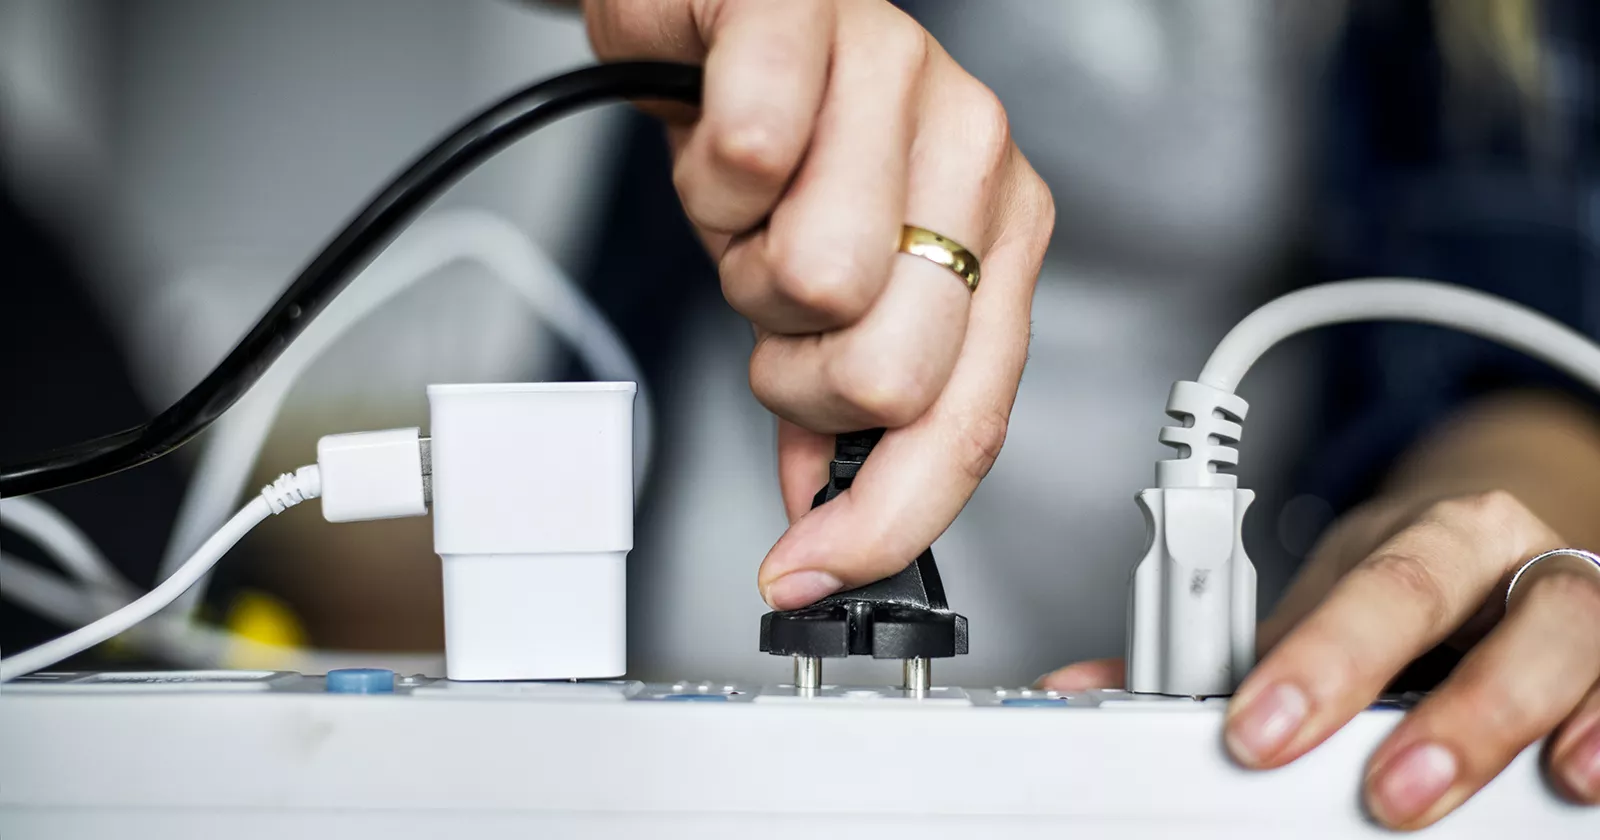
(1387, 584)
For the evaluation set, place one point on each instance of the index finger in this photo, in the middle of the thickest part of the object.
(921, 475)
(1409, 595)
(764, 80)
(766, 67)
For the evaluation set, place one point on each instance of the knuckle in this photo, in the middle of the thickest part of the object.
(905, 45)
(1041, 205)
(1329, 666)
(1514, 711)
(772, 381)
(1036, 208)
(1417, 580)
(831, 282)
(989, 125)
(886, 393)
(763, 384)
(754, 150)
(1492, 508)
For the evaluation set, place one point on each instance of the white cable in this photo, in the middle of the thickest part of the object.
(66, 544)
(197, 644)
(1192, 604)
(234, 442)
(290, 489)
(44, 593)
(1400, 299)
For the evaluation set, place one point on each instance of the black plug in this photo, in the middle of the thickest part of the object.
(902, 617)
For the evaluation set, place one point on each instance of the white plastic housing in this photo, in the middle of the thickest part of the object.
(533, 520)
(371, 475)
(1192, 603)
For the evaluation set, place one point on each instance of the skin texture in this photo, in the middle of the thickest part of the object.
(1428, 562)
(825, 126)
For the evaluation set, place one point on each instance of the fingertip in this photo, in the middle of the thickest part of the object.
(1576, 767)
(839, 538)
(1085, 676)
(800, 589)
(1261, 727)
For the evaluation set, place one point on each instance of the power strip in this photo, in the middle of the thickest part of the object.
(262, 754)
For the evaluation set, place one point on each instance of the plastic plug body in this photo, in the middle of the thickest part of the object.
(904, 616)
(1192, 600)
(1192, 609)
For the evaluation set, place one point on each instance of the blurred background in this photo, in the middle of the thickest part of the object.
(169, 165)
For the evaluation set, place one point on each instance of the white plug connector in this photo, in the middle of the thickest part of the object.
(1192, 602)
(1191, 616)
(373, 475)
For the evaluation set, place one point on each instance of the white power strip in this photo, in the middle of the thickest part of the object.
(260, 754)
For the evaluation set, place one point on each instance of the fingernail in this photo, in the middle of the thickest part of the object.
(1583, 766)
(1265, 726)
(1411, 783)
(798, 589)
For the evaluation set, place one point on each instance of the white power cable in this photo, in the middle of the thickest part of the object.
(191, 643)
(1400, 299)
(44, 593)
(1192, 613)
(234, 442)
(66, 544)
(232, 446)
(290, 489)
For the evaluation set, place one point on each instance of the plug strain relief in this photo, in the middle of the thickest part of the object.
(1211, 425)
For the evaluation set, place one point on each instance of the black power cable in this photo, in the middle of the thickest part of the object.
(476, 140)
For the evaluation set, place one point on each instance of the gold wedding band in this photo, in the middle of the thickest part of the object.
(931, 246)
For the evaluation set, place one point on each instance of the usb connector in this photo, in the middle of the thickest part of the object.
(375, 475)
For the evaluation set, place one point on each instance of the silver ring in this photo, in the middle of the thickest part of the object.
(1579, 553)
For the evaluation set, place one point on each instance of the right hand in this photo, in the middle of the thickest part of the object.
(824, 127)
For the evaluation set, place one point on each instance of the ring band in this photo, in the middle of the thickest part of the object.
(1560, 552)
(930, 246)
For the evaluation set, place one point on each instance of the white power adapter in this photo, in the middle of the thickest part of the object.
(532, 492)
(533, 520)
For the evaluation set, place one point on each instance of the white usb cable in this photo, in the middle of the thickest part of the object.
(366, 475)
(229, 450)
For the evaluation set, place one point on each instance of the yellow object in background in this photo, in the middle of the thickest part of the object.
(261, 618)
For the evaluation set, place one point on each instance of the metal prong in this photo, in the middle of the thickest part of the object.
(918, 675)
(808, 673)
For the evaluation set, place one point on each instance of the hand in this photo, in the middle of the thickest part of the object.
(1387, 584)
(825, 126)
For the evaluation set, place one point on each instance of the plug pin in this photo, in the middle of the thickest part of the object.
(918, 672)
(808, 673)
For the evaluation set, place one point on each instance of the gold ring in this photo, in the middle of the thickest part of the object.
(931, 246)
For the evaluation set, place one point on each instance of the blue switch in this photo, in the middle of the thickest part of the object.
(361, 681)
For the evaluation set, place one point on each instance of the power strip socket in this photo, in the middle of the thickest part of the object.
(261, 754)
